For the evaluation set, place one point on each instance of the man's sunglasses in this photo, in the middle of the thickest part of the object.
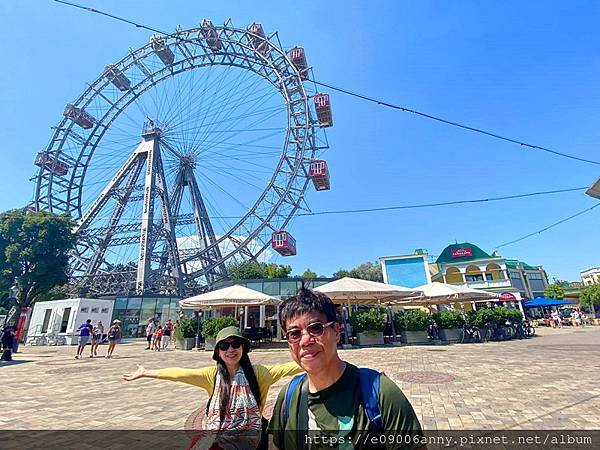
(314, 329)
(224, 346)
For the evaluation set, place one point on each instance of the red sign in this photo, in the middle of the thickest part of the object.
(507, 297)
(21, 323)
(461, 252)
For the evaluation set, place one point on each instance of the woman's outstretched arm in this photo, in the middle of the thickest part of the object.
(141, 372)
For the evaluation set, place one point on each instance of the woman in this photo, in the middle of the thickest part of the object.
(97, 333)
(114, 334)
(237, 389)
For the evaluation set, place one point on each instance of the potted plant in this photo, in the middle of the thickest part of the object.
(450, 324)
(413, 325)
(369, 326)
(185, 334)
(211, 327)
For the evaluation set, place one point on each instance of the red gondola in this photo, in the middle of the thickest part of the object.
(162, 50)
(79, 116)
(117, 78)
(319, 174)
(259, 43)
(211, 36)
(283, 243)
(44, 160)
(323, 108)
(298, 58)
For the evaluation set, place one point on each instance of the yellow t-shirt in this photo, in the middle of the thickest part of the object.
(205, 377)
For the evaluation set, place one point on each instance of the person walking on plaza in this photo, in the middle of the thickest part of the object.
(167, 330)
(114, 334)
(7, 341)
(237, 388)
(158, 334)
(97, 334)
(149, 332)
(85, 331)
(175, 326)
(333, 396)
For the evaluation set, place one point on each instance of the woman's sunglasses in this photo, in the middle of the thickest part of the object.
(224, 346)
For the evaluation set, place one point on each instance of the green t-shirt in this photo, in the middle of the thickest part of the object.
(337, 412)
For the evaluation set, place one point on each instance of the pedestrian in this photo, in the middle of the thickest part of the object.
(114, 334)
(333, 397)
(7, 341)
(167, 330)
(237, 388)
(97, 334)
(577, 317)
(583, 318)
(85, 331)
(175, 326)
(158, 334)
(149, 333)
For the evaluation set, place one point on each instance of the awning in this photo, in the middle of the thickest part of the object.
(540, 302)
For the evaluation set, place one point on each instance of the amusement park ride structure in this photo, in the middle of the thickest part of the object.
(206, 86)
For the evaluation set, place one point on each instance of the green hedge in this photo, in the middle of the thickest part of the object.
(372, 320)
(411, 320)
(186, 328)
(211, 327)
(449, 319)
(494, 315)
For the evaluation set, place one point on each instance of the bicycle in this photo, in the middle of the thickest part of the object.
(470, 333)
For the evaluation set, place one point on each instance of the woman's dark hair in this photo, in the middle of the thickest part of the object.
(225, 389)
(306, 301)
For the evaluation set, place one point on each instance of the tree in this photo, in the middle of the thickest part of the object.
(34, 249)
(590, 297)
(254, 270)
(309, 274)
(554, 291)
(366, 271)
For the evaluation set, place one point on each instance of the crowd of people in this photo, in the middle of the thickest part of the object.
(88, 331)
(160, 336)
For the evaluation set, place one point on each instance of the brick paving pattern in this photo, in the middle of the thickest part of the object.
(547, 382)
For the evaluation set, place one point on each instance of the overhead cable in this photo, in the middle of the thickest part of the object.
(430, 205)
(549, 226)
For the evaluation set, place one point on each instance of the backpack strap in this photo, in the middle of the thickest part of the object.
(370, 386)
(291, 388)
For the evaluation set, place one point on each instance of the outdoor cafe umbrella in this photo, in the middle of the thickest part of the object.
(441, 293)
(354, 290)
(540, 302)
(235, 295)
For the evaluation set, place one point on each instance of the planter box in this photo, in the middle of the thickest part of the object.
(451, 334)
(370, 338)
(185, 344)
(414, 337)
(209, 343)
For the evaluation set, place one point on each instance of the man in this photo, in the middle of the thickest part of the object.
(85, 331)
(166, 337)
(331, 394)
(7, 343)
(149, 333)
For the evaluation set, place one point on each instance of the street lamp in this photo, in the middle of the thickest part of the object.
(594, 191)
(199, 315)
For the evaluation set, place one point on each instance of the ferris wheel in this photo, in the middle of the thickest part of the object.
(190, 153)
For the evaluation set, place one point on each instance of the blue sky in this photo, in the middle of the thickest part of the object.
(528, 70)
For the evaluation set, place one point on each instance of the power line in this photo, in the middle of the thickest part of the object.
(430, 205)
(549, 226)
(455, 124)
(92, 10)
(370, 99)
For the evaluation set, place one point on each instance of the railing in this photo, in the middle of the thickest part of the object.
(485, 284)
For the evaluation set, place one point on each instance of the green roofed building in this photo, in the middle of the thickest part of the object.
(466, 264)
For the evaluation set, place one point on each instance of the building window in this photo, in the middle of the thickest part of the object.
(84, 309)
(516, 280)
(104, 310)
(478, 277)
(95, 310)
(46, 320)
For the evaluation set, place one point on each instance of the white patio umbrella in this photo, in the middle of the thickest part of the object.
(355, 290)
(235, 295)
(441, 293)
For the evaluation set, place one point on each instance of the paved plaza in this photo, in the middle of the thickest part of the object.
(547, 382)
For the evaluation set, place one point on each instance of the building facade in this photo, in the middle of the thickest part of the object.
(468, 265)
(591, 276)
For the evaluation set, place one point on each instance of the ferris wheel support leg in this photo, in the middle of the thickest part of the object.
(206, 234)
(143, 269)
(168, 224)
